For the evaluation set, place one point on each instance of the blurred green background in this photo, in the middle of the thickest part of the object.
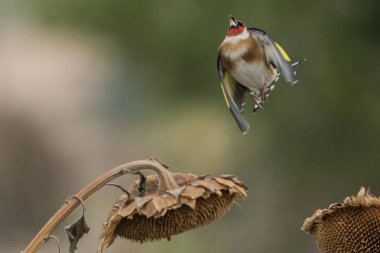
(88, 85)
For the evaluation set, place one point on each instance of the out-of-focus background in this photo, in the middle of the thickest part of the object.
(86, 85)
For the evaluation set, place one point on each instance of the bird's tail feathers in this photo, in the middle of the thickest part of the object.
(295, 64)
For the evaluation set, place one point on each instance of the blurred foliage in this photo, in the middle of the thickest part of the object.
(174, 43)
(313, 144)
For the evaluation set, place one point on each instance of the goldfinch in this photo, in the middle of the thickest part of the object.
(250, 61)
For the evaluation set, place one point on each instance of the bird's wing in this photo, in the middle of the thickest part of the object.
(233, 93)
(275, 55)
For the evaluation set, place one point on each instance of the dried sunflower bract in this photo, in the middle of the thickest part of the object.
(169, 203)
(351, 226)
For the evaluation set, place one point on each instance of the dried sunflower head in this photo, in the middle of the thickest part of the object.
(169, 203)
(353, 226)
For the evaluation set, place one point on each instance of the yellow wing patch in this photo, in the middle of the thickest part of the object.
(282, 51)
(225, 96)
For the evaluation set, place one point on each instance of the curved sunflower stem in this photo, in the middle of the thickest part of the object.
(166, 183)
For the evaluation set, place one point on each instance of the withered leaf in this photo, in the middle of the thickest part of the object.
(176, 192)
(75, 231)
(141, 201)
(192, 192)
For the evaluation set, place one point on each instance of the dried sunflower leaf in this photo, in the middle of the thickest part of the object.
(141, 201)
(191, 203)
(127, 210)
(167, 201)
(209, 184)
(232, 184)
(149, 209)
(193, 192)
(75, 231)
(235, 179)
(176, 192)
(225, 182)
(164, 202)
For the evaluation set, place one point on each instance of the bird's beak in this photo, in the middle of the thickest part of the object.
(233, 21)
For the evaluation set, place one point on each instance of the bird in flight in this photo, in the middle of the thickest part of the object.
(250, 62)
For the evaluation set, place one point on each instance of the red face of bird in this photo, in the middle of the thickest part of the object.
(236, 27)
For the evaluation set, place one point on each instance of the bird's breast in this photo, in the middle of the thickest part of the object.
(245, 60)
(254, 75)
